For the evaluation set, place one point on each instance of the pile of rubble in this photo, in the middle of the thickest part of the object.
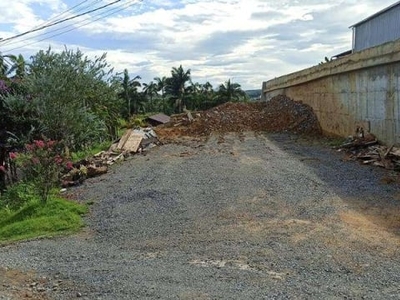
(133, 141)
(366, 149)
(277, 115)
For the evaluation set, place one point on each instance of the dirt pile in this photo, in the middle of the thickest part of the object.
(277, 115)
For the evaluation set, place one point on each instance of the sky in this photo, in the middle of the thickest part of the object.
(246, 41)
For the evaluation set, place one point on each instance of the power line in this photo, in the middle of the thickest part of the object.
(58, 22)
(63, 13)
(102, 15)
(54, 19)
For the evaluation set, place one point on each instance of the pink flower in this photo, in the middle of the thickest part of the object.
(58, 159)
(3, 169)
(39, 143)
(13, 155)
(69, 165)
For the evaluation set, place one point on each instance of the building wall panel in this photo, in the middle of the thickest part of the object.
(378, 30)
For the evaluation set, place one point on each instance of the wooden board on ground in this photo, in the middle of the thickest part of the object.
(123, 139)
(132, 144)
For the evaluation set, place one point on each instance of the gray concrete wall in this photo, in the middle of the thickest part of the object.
(362, 89)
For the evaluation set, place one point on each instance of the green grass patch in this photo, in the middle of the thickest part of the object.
(35, 219)
(79, 155)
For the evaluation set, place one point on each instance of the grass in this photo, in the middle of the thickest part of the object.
(35, 219)
(79, 155)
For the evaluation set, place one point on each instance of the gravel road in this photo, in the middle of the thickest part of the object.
(243, 216)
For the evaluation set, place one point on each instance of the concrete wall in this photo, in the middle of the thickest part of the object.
(362, 89)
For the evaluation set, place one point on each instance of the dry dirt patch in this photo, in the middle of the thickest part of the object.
(15, 284)
(377, 227)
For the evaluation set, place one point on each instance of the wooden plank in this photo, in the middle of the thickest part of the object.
(124, 138)
(133, 142)
(395, 152)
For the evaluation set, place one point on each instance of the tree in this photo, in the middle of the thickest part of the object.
(230, 92)
(207, 88)
(12, 65)
(208, 94)
(195, 97)
(176, 86)
(18, 66)
(161, 86)
(130, 92)
(73, 97)
(150, 90)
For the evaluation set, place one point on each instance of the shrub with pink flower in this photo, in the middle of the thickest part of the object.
(41, 144)
(69, 165)
(41, 164)
(12, 155)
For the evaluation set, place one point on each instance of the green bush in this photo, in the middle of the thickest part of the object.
(73, 97)
(17, 195)
(41, 165)
(137, 121)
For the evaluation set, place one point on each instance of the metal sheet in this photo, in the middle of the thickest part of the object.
(382, 28)
(161, 118)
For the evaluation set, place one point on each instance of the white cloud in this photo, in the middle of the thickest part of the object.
(247, 40)
(23, 15)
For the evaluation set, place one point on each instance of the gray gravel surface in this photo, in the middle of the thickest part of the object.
(247, 216)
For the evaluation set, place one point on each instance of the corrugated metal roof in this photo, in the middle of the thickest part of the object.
(161, 118)
(348, 52)
(376, 14)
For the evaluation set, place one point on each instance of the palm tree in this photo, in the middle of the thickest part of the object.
(208, 95)
(12, 65)
(161, 85)
(150, 90)
(196, 96)
(129, 91)
(176, 85)
(230, 92)
(19, 65)
(207, 88)
(194, 87)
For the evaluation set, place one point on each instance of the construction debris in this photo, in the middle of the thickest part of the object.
(133, 141)
(277, 115)
(136, 139)
(158, 119)
(366, 149)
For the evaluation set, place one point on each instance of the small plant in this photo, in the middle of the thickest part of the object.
(41, 165)
(17, 195)
(136, 121)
